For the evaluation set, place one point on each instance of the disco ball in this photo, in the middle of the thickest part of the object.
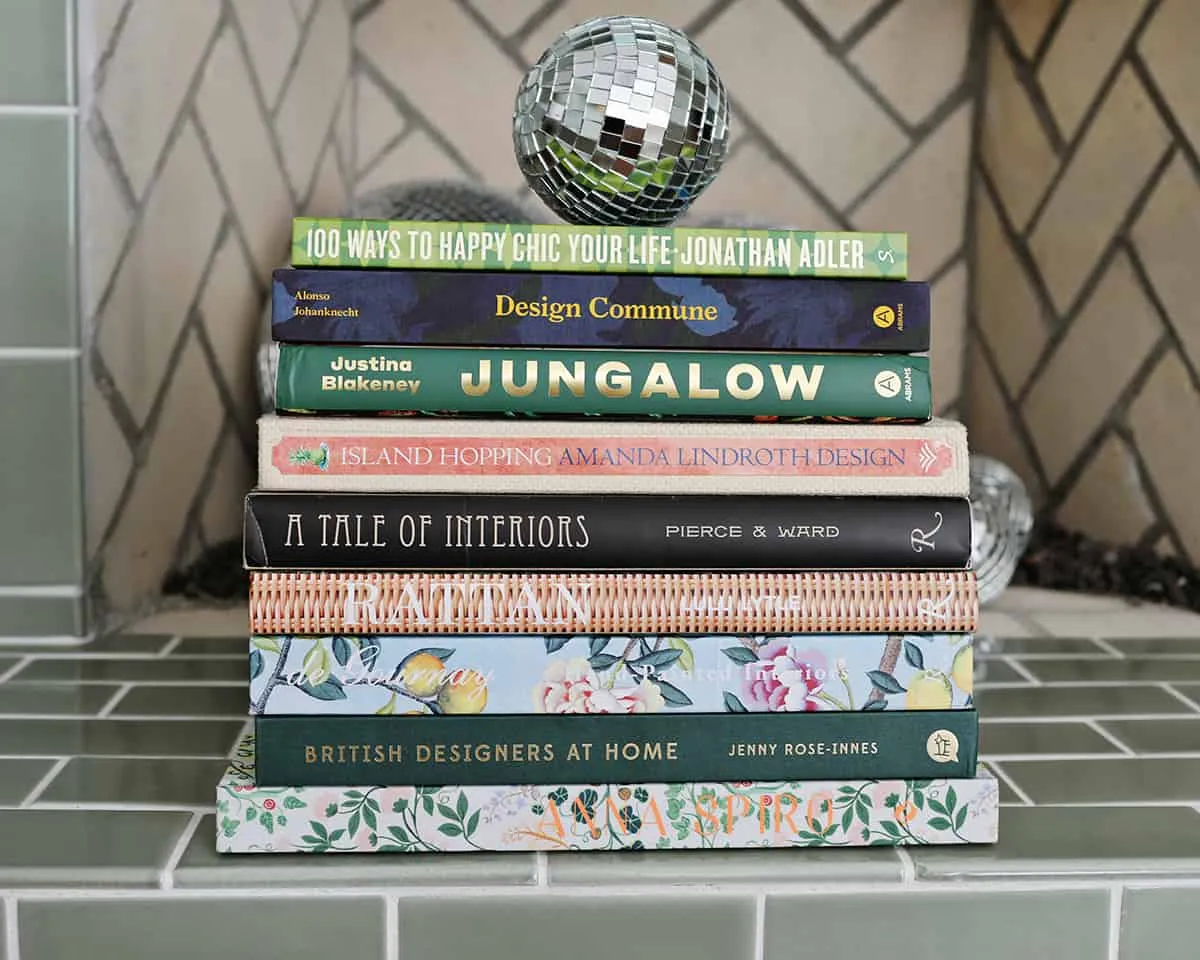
(1001, 524)
(622, 121)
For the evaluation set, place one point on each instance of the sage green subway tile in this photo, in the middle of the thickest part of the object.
(1155, 736)
(34, 51)
(1131, 780)
(1130, 670)
(203, 928)
(7, 663)
(43, 519)
(64, 698)
(1157, 646)
(127, 780)
(36, 248)
(1074, 841)
(1007, 739)
(670, 927)
(1007, 793)
(146, 700)
(107, 644)
(996, 671)
(105, 848)
(199, 670)
(213, 646)
(1159, 923)
(755, 867)
(201, 866)
(42, 617)
(1038, 646)
(1017, 702)
(19, 776)
(116, 737)
(1065, 925)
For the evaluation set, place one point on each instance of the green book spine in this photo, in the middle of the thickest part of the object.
(614, 748)
(570, 248)
(542, 382)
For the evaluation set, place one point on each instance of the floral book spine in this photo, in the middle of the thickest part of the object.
(600, 817)
(369, 602)
(530, 674)
(384, 454)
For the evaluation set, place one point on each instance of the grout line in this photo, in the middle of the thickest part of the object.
(157, 683)
(1115, 900)
(1111, 738)
(40, 787)
(1179, 696)
(908, 869)
(1020, 668)
(12, 939)
(1082, 755)
(69, 590)
(15, 668)
(541, 869)
(40, 353)
(391, 927)
(166, 876)
(37, 110)
(72, 53)
(1107, 647)
(760, 925)
(171, 646)
(1003, 775)
(116, 698)
(118, 806)
(119, 718)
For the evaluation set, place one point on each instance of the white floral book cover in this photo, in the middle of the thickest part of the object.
(586, 817)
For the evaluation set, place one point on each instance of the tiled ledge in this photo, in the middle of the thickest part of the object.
(1090, 710)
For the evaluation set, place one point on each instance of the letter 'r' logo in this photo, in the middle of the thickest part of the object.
(884, 316)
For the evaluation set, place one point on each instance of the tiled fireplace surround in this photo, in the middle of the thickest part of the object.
(1042, 154)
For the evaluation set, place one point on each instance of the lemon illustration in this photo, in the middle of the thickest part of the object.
(464, 691)
(963, 670)
(421, 674)
(929, 690)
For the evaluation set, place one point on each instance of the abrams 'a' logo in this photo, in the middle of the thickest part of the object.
(884, 316)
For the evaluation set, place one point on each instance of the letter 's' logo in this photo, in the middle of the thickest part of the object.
(884, 316)
(887, 383)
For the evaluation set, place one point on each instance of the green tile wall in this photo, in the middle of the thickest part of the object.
(41, 483)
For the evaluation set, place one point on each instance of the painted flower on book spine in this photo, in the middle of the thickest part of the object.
(781, 681)
(572, 686)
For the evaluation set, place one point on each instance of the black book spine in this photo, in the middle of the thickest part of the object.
(622, 532)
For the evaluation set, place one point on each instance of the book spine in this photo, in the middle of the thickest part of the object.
(602, 673)
(564, 531)
(630, 748)
(611, 456)
(527, 309)
(570, 248)
(586, 815)
(543, 382)
(319, 603)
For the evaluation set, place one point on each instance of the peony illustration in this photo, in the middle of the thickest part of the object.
(780, 681)
(571, 686)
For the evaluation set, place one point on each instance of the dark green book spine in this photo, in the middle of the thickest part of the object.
(537, 381)
(613, 748)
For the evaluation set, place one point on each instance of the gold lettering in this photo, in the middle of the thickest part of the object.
(619, 384)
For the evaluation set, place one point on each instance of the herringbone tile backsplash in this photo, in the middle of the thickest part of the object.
(1053, 192)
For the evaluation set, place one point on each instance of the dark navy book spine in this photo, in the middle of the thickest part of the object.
(519, 308)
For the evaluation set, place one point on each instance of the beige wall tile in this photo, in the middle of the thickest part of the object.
(232, 313)
(1081, 54)
(107, 460)
(307, 108)
(329, 193)
(1164, 547)
(1107, 500)
(839, 16)
(1168, 46)
(416, 157)
(1163, 419)
(344, 131)
(991, 431)
(1106, 344)
(938, 31)
(158, 278)
(271, 33)
(1012, 144)
(94, 24)
(221, 513)
(1028, 20)
(926, 195)
(144, 541)
(948, 309)
(472, 97)
(238, 136)
(1007, 307)
(1117, 155)
(753, 186)
(1163, 236)
(104, 223)
(377, 121)
(147, 79)
(804, 100)
(507, 16)
(674, 13)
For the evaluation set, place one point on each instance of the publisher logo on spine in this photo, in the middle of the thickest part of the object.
(887, 383)
(942, 747)
(884, 316)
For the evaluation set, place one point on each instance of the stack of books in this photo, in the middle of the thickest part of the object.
(590, 538)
